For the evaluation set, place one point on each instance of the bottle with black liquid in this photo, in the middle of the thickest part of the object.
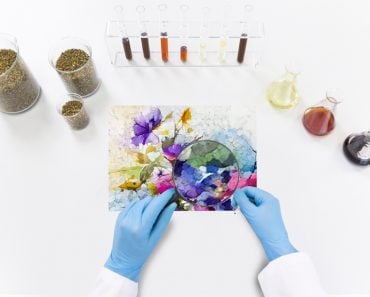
(356, 148)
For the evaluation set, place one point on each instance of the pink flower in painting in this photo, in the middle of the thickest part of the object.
(202, 208)
(251, 181)
(162, 180)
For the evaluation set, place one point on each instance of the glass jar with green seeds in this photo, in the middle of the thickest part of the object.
(19, 90)
(72, 59)
(72, 109)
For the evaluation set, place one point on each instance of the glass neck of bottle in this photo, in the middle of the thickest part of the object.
(330, 102)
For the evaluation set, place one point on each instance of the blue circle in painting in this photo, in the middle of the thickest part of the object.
(206, 173)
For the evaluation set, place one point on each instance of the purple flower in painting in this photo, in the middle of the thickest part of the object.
(144, 126)
(172, 151)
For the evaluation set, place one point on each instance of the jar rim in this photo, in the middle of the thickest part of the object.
(13, 40)
(82, 41)
(71, 97)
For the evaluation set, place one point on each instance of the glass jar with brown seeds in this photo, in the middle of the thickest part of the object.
(72, 59)
(19, 90)
(72, 109)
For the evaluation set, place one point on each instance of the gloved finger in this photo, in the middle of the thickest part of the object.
(144, 203)
(246, 206)
(155, 207)
(127, 209)
(162, 223)
(256, 195)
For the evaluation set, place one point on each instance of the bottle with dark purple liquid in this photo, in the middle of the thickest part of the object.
(356, 148)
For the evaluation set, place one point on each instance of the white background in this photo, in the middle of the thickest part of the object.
(55, 229)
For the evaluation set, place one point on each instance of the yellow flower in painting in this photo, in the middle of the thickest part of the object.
(141, 158)
(164, 132)
(131, 183)
(151, 149)
(185, 117)
(168, 117)
(152, 188)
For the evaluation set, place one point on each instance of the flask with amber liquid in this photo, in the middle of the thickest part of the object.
(319, 119)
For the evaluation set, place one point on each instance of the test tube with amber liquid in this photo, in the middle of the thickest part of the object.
(143, 32)
(163, 31)
(123, 31)
(184, 34)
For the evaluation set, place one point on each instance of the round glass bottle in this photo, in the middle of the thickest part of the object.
(283, 92)
(319, 119)
(72, 59)
(356, 148)
(19, 90)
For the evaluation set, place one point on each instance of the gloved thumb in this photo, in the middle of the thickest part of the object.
(246, 206)
(162, 223)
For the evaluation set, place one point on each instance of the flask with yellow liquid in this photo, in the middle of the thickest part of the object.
(283, 93)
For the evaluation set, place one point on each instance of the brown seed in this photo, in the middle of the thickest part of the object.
(71, 108)
(72, 59)
(7, 58)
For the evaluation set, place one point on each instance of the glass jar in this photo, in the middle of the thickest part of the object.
(19, 90)
(72, 59)
(72, 109)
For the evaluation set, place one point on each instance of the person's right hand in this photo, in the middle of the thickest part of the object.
(262, 211)
(138, 229)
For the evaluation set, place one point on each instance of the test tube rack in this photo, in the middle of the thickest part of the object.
(255, 32)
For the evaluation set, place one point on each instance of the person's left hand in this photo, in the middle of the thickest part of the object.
(138, 230)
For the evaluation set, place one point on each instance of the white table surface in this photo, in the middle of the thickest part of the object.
(55, 229)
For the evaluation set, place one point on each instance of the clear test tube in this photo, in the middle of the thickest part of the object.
(163, 20)
(140, 9)
(184, 34)
(244, 33)
(123, 31)
(224, 34)
(204, 31)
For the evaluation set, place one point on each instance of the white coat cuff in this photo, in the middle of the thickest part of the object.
(111, 284)
(291, 276)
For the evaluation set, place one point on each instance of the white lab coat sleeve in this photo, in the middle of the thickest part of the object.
(111, 284)
(293, 275)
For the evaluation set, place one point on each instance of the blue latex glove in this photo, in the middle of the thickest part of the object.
(138, 229)
(262, 211)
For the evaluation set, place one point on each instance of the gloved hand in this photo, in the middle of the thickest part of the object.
(262, 211)
(138, 229)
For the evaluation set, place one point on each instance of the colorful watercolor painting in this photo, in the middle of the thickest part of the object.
(204, 151)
